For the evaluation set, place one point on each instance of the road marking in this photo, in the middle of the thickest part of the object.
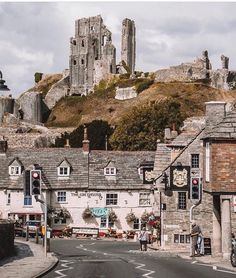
(140, 266)
(221, 270)
(105, 254)
(65, 264)
(99, 260)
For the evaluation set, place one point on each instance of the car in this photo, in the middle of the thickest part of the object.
(33, 225)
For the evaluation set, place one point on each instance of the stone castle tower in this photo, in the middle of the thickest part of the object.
(92, 55)
(128, 43)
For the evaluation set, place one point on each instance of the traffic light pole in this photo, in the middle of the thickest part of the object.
(45, 221)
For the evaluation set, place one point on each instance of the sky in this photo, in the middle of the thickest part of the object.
(34, 36)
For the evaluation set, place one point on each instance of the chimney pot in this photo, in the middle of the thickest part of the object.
(85, 141)
(67, 145)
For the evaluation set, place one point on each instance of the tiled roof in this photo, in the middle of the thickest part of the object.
(162, 159)
(48, 159)
(226, 129)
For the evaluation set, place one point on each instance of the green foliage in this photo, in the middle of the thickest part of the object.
(143, 85)
(140, 129)
(97, 132)
(38, 77)
(105, 88)
(125, 76)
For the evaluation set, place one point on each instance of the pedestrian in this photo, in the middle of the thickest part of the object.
(196, 231)
(143, 239)
(200, 244)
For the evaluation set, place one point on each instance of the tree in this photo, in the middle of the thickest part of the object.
(140, 129)
(97, 132)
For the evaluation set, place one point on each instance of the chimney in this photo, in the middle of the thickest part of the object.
(215, 112)
(67, 145)
(167, 135)
(85, 142)
(3, 146)
(174, 132)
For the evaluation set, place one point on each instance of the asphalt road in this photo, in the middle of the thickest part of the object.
(114, 259)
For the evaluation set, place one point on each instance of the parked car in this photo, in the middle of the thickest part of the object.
(33, 225)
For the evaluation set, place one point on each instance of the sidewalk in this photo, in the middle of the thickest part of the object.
(29, 262)
(218, 262)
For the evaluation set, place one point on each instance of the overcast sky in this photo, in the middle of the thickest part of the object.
(34, 37)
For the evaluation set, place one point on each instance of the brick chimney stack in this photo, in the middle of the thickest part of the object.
(3, 145)
(85, 142)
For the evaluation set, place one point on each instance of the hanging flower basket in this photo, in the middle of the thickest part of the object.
(87, 213)
(112, 215)
(130, 217)
(145, 216)
(62, 213)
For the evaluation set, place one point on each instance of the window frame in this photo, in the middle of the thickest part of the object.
(182, 202)
(63, 171)
(110, 171)
(195, 160)
(8, 198)
(62, 198)
(59, 221)
(144, 199)
(27, 200)
(106, 223)
(113, 199)
(136, 224)
(14, 170)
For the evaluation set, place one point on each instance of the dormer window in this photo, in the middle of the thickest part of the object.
(110, 171)
(64, 169)
(15, 168)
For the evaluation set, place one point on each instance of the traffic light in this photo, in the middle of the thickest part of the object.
(35, 182)
(195, 189)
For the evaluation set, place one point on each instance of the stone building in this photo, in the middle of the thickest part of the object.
(128, 43)
(220, 173)
(92, 55)
(76, 179)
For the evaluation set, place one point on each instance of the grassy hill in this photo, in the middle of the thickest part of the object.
(73, 110)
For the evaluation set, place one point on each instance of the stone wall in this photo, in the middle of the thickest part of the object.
(6, 105)
(7, 239)
(125, 93)
(128, 43)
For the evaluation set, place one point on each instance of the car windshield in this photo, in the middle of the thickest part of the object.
(33, 223)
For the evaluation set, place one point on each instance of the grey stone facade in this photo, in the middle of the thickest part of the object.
(92, 54)
(200, 69)
(128, 43)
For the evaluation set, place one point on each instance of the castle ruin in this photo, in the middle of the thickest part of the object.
(93, 56)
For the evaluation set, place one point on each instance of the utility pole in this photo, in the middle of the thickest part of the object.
(45, 220)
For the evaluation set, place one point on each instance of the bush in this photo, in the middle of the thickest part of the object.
(143, 85)
(38, 76)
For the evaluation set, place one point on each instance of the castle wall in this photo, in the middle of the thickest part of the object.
(6, 105)
(128, 43)
(90, 44)
(125, 93)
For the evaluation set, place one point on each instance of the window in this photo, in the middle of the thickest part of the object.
(136, 225)
(181, 238)
(82, 61)
(82, 43)
(64, 171)
(92, 28)
(59, 221)
(61, 196)
(195, 160)
(106, 222)
(14, 170)
(74, 62)
(8, 198)
(182, 202)
(207, 169)
(27, 200)
(111, 199)
(74, 42)
(144, 199)
(110, 171)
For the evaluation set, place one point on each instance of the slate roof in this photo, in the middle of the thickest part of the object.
(127, 164)
(226, 129)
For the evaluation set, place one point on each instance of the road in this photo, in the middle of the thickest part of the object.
(114, 259)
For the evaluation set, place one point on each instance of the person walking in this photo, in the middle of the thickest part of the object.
(143, 239)
(196, 231)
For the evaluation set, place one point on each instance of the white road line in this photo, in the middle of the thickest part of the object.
(140, 266)
(105, 254)
(221, 270)
(64, 264)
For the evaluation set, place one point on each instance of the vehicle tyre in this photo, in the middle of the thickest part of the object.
(233, 259)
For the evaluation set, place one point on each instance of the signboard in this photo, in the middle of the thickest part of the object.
(99, 212)
(86, 231)
(179, 178)
(148, 175)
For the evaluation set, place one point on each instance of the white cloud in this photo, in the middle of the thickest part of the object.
(35, 36)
